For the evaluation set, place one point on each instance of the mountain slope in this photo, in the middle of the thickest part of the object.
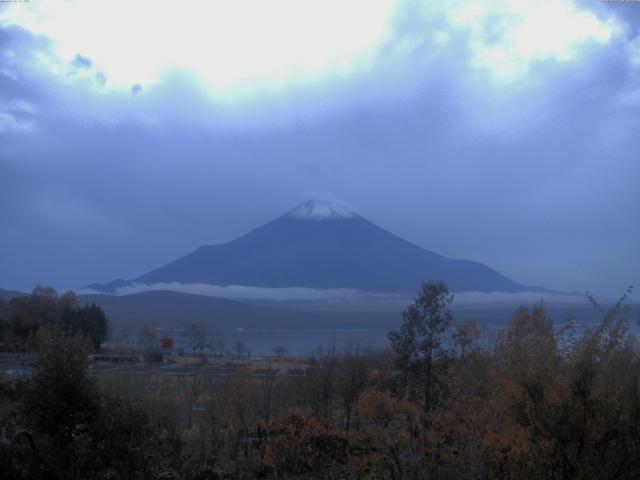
(323, 246)
(175, 309)
(7, 295)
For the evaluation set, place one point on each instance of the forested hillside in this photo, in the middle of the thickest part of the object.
(526, 401)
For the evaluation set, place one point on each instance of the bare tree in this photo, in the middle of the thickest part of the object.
(217, 343)
(195, 337)
(192, 387)
(266, 386)
(239, 347)
(280, 351)
(241, 409)
(321, 379)
(352, 380)
(148, 337)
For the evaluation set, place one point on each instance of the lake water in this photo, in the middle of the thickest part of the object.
(303, 342)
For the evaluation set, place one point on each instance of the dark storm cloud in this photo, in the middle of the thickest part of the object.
(536, 178)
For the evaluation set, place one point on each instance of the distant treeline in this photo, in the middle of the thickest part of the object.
(531, 403)
(26, 318)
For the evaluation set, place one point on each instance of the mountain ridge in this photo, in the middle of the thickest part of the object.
(342, 251)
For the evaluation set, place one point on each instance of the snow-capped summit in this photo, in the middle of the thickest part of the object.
(322, 210)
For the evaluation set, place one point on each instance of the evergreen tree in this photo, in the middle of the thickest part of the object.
(418, 343)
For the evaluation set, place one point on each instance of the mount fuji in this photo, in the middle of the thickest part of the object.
(323, 245)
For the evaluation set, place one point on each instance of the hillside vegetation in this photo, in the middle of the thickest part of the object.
(448, 401)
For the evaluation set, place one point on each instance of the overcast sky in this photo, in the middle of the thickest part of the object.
(506, 132)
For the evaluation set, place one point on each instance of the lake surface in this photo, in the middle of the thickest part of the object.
(304, 342)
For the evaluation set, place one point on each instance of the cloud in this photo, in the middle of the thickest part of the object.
(16, 117)
(9, 124)
(507, 37)
(502, 37)
(245, 292)
(534, 177)
(80, 61)
(240, 292)
(22, 55)
(508, 40)
(627, 12)
(101, 79)
(229, 50)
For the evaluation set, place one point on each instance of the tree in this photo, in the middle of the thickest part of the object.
(390, 428)
(28, 314)
(321, 381)
(465, 337)
(418, 343)
(192, 388)
(217, 343)
(195, 337)
(60, 400)
(4, 324)
(148, 337)
(81, 432)
(44, 309)
(353, 375)
(91, 322)
(241, 408)
(280, 351)
(303, 446)
(239, 347)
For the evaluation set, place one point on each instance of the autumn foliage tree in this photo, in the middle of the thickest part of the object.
(301, 444)
(533, 400)
(23, 317)
(466, 337)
